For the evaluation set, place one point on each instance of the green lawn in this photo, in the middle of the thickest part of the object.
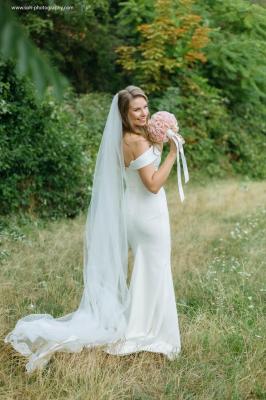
(218, 264)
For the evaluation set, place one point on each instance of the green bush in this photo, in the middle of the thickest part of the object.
(203, 121)
(218, 142)
(247, 142)
(89, 115)
(236, 54)
(41, 162)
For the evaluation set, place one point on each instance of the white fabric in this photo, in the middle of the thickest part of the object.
(144, 159)
(152, 319)
(100, 317)
(179, 141)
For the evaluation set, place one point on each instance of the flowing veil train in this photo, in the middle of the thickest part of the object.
(100, 317)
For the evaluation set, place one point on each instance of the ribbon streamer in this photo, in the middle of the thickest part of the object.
(179, 145)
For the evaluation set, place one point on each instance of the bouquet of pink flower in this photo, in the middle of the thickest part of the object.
(160, 123)
(161, 127)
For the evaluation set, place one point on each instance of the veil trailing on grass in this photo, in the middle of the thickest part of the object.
(100, 317)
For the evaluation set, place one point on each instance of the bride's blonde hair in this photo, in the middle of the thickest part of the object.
(124, 98)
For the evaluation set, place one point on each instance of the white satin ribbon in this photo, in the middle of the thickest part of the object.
(179, 145)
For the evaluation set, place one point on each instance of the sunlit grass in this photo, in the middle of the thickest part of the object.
(218, 264)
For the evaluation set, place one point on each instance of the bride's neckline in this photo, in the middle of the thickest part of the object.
(144, 153)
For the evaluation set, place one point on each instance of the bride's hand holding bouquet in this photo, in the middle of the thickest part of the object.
(163, 127)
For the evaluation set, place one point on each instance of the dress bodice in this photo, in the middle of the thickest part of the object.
(150, 156)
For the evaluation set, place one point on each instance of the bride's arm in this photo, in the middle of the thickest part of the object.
(154, 179)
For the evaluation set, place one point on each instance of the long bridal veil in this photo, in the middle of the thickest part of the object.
(100, 318)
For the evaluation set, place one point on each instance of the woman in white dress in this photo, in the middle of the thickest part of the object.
(152, 317)
(128, 208)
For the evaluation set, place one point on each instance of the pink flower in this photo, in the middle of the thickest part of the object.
(159, 124)
(162, 126)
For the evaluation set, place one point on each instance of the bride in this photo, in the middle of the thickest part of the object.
(128, 209)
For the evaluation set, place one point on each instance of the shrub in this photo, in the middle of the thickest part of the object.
(42, 163)
(89, 115)
(203, 122)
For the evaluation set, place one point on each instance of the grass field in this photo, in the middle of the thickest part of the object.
(218, 264)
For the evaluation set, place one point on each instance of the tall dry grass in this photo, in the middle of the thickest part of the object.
(218, 264)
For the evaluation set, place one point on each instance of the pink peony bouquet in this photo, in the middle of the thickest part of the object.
(161, 127)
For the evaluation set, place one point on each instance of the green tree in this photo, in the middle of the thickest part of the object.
(172, 42)
(15, 44)
(79, 41)
(236, 55)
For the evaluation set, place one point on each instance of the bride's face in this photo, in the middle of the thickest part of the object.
(138, 112)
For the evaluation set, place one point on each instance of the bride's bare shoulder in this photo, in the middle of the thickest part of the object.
(133, 137)
(137, 143)
(134, 140)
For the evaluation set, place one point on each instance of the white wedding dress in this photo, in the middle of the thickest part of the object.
(150, 322)
(152, 317)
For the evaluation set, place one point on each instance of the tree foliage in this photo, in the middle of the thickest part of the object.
(237, 52)
(172, 42)
(30, 61)
(79, 41)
